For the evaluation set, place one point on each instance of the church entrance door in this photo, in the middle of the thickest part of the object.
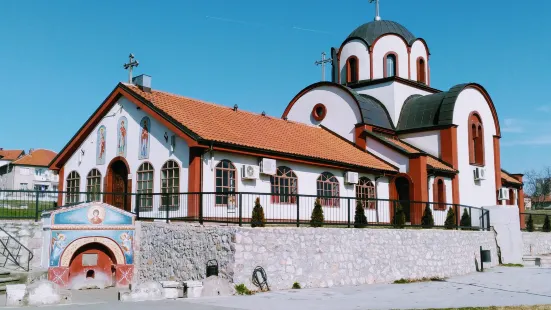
(117, 185)
(403, 192)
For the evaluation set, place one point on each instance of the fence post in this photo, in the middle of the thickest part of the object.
(457, 216)
(348, 212)
(240, 210)
(298, 211)
(201, 207)
(137, 206)
(167, 206)
(36, 207)
(488, 219)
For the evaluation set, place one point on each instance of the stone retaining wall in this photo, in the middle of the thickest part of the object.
(314, 257)
(536, 243)
(29, 233)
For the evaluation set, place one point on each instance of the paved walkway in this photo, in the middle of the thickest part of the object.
(498, 286)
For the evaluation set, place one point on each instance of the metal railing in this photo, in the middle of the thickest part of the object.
(237, 208)
(14, 252)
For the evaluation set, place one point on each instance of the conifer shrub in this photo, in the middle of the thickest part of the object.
(296, 286)
(399, 220)
(360, 220)
(530, 224)
(427, 221)
(465, 219)
(546, 225)
(241, 289)
(258, 219)
(450, 222)
(317, 218)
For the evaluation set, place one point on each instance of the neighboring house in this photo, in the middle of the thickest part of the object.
(7, 156)
(30, 172)
(528, 203)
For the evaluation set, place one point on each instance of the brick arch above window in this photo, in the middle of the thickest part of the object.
(439, 198)
(390, 64)
(476, 139)
(421, 70)
(352, 69)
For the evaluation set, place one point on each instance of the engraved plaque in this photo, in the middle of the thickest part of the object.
(89, 259)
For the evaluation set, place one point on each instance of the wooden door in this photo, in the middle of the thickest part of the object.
(119, 186)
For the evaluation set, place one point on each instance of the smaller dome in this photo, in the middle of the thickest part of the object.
(369, 32)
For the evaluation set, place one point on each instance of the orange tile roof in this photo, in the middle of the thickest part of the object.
(222, 124)
(10, 154)
(509, 179)
(39, 157)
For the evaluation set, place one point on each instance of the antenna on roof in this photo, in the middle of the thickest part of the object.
(377, 17)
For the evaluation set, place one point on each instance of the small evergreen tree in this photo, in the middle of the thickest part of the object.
(359, 219)
(399, 219)
(258, 219)
(465, 219)
(546, 225)
(450, 222)
(530, 224)
(317, 215)
(427, 221)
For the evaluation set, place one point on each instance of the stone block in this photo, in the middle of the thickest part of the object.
(15, 294)
(150, 290)
(193, 288)
(44, 292)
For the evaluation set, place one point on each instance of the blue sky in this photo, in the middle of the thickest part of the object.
(60, 59)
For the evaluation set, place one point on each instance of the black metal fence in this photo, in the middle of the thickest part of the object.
(535, 220)
(237, 208)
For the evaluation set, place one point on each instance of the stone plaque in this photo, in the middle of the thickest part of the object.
(89, 260)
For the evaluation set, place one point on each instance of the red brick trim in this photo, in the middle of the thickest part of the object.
(422, 78)
(448, 151)
(394, 193)
(475, 119)
(497, 166)
(195, 170)
(319, 112)
(439, 204)
(349, 77)
(60, 186)
(419, 175)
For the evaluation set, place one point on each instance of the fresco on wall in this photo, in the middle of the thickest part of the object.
(92, 215)
(122, 127)
(145, 128)
(100, 146)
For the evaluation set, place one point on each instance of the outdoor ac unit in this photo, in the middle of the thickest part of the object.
(351, 177)
(249, 172)
(503, 194)
(268, 166)
(479, 174)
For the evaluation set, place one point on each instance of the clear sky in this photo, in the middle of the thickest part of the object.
(60, 59)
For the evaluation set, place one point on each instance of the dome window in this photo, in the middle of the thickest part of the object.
(352, 70)
(319, 111)
(390, 65)
(421, 73)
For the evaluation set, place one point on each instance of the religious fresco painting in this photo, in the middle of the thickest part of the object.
(145, 128)
(122, 128)
(100, 147)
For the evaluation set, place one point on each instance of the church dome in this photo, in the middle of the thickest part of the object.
(369, 32)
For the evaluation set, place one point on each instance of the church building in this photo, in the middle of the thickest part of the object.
(378, 130)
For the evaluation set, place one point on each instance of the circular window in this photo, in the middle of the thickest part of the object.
(319, 111)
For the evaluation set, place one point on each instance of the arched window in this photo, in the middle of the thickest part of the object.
(512, 200)
(93, 185)
(439, 194)
(225, 182)
(73, 187)
(352, 70)
(170, 184)
(476, 140)
(390, 67)
(421, 73)
(284, 186)
(328, 186)
(366, 193)
(145, 185)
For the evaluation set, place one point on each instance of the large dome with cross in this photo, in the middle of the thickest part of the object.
(369, 32)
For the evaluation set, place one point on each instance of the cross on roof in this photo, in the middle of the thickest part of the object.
(130, 65)
(377, 17)
(322, 62)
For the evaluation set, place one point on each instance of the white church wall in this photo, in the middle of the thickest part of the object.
(359, 49)
(475, 193)
(390, 43)
(428, 141)
(307, 176)
(418, 49)
(342, 110)
(440, 215)
(159, 150)
(389, 155)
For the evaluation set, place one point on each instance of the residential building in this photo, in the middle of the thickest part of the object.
(30, 172)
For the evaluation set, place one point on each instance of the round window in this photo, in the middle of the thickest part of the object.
(319, 111)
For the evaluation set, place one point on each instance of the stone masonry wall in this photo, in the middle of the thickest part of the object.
(29, 233)
(536, 243)
(314, 257)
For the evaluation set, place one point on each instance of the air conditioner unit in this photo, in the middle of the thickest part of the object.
(479, 173)
(268, 166)
(503, 194)
(249, 172)
(351, 177)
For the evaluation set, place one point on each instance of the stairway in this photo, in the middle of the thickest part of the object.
(7, 277)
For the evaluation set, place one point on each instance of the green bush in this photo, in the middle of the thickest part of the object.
(530, 224)
(427, 221)
(399, 220)
(450, 222)
(241, 289)
(317, 215)
(359, 219)
(546, 225)
(258, 219)
(465, 219)
(296, 286)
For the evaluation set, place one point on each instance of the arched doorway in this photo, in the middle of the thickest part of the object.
(92, 266)
(401, 189)
(117, 184)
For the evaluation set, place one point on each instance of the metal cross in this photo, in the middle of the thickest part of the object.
(130, 65)
(377, 17)
(322, 62)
